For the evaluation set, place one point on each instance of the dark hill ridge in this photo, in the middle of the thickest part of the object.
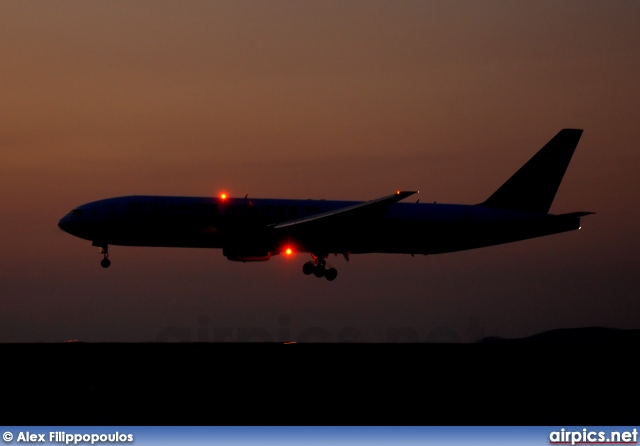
(574, 335)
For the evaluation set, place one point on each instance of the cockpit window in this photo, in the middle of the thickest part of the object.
(76, 212)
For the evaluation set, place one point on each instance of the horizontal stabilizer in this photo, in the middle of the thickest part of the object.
(576, 214)
(534, 186)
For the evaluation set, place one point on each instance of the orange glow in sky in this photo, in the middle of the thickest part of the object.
(314, 100)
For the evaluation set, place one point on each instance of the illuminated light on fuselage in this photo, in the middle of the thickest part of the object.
(288, 251)
(223, 196)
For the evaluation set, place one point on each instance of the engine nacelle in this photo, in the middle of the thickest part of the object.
(246, 254)
(249, 258)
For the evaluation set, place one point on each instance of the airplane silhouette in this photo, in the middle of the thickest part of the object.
(254, 229)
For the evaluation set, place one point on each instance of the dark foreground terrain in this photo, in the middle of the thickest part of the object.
(562, 377)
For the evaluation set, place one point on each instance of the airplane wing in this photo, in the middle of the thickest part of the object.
(352, 211)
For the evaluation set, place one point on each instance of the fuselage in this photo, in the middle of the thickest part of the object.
(254, 229)
(245, 225)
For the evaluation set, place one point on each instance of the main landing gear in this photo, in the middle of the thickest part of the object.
(318, 267)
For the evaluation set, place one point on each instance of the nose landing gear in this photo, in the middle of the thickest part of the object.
(318, 267)
(105, 262)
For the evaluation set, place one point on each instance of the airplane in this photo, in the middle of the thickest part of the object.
(255, 229)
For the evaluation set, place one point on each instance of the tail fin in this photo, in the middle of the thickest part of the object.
(534, 186)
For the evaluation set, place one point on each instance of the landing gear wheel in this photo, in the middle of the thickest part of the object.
(105, 262)
(308, 268)
(318, 267)
(331, 274)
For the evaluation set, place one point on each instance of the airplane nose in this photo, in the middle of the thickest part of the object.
(64, 223)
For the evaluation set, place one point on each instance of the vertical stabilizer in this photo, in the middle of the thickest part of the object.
(534, 186)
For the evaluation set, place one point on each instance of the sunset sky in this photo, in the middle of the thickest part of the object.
(347, 100)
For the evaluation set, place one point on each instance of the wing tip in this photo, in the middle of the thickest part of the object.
(405, 193)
